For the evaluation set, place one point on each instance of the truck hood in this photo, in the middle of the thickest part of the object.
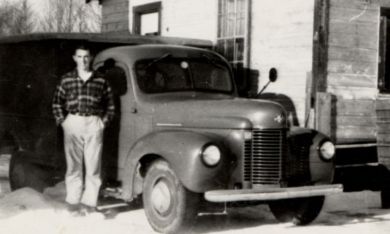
(218, 112)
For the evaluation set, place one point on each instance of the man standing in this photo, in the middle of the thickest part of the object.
(83, 105)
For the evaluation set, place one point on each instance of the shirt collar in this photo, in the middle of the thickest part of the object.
(75, 74)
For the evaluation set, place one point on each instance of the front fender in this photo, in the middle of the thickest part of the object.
(181, 149)
(321, 171)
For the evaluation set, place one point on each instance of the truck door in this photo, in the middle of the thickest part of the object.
(122, 128)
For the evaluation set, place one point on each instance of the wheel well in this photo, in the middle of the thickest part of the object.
(146, 161)
(140, 173)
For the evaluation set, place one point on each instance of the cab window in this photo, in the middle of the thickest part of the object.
(169, 74)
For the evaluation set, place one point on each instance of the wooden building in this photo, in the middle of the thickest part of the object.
(332, 56)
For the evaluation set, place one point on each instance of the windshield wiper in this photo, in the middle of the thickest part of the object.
(213, 61)
(158, 59)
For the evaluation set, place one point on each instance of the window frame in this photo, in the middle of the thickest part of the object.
(239, 58)
(223, 37)
(140, 10)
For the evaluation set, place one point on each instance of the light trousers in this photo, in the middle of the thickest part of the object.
(83, 140)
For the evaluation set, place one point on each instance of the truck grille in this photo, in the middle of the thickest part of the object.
(296, 169)
(263, 156)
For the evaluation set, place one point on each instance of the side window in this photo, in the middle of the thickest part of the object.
(116, 76)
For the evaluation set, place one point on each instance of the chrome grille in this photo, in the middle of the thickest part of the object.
(263, 156)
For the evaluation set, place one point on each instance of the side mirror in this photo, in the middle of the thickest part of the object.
(273, 74)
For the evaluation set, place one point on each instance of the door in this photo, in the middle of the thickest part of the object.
(119, 135)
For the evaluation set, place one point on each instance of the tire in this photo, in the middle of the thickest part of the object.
(385, 188)
(25, 174)
(17, 176)
(169, 206)
(385, 198)
(300, 211)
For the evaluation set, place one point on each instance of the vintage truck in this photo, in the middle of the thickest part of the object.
(182, 137)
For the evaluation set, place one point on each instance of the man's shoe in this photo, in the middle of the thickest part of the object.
(73, 209)
(86, 210)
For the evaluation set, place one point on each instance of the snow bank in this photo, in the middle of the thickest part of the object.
(28, 211)
(26, 199)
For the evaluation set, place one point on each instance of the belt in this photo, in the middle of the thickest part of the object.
(81, 114)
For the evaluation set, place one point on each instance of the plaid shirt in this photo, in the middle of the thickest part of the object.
(92, 97)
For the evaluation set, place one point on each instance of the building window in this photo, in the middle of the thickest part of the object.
(147, 19)
(232, 30)
(232, 39)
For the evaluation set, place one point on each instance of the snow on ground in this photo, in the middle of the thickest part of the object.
(27, 211)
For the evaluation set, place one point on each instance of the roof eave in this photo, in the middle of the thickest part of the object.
(106, 37)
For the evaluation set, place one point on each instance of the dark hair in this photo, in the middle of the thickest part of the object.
(83, 46)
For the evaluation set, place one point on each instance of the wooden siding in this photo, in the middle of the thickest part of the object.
(352, 69)
(115, 16)
(383, 127)
(282, 37)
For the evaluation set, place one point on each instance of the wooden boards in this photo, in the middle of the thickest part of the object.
(346, 120)
(352, 69)
(115, 16)
(383, 128)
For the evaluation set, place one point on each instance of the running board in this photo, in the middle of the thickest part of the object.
(269, 194)
(112, 206)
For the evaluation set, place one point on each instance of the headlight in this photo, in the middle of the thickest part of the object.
(211, 155)
(327, 150)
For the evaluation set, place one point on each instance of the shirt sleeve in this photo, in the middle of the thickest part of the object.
(110, 104)
(58, 104)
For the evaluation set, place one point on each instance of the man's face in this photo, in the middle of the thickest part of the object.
(82, 58)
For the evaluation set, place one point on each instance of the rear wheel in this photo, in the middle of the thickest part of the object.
(300, 211)
(25, 174)
(168, 205)
(385, 198)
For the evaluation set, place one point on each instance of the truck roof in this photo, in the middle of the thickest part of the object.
(146, 51)
(125, 38)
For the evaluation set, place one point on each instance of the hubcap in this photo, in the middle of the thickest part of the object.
(161, 197)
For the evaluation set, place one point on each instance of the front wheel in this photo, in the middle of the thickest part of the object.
(168, 205)
(300, 211)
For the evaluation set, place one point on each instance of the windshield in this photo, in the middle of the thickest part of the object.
(170, 74)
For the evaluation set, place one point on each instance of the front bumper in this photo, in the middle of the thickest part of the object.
(269, 194)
